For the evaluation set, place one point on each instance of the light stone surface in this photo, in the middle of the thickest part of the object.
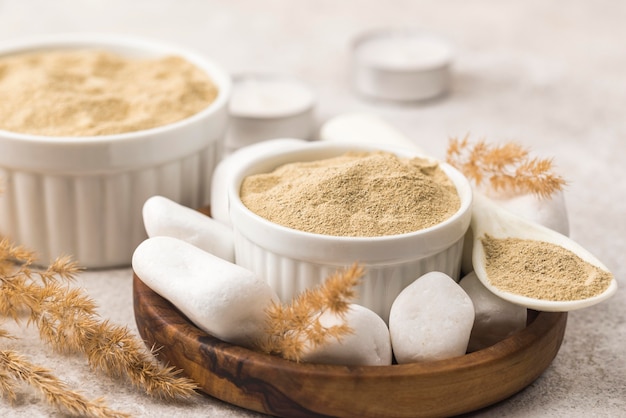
(550, 212)
(431, 319)
(550, 75)
(368, 344)
(164, 217)
(221, 298)
(495, 318)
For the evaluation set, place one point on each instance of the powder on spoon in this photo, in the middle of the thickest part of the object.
(359, 194)
(541, 270)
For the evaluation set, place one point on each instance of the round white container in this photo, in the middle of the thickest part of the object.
(401, 65)
(82, 196)
(266, 106)
(292, 261)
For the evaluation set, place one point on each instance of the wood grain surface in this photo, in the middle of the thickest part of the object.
(283, 388)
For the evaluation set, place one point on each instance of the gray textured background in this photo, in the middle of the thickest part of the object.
(551, 75)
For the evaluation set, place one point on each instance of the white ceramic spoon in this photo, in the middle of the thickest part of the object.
(489, 218)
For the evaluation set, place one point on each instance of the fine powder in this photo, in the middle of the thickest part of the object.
(541, 270)
(89, 92)
(362, 194)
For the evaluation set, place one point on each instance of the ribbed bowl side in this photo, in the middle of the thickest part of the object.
(380, 285)
(97, 218)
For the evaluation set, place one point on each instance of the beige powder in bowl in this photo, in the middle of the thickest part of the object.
(364, 194)
(89, 92)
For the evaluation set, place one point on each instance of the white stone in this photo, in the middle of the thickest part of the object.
(365, 128)
(221, 298)
(550, 212)
(431, 319)
(164, 217)
(495, 318)
(369, 344)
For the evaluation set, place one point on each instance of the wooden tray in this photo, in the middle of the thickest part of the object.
(283, 388)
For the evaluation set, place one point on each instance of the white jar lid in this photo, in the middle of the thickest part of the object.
(401, 65)
(269, 106)
(269, 96)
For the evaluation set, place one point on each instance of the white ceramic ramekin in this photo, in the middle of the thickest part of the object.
(292, 260)
(82, 196)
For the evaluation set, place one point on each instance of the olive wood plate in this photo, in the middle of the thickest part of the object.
(276, 386)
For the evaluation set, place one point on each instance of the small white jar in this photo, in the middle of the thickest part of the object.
(82, 196)
(292, 261)
(266, 106)
(401, 65)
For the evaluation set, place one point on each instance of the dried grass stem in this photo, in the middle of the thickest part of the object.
(295, 326)
(507, 167)
(67, 321)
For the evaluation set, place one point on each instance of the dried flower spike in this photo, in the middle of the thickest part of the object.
(14, 368)
(507, 167)
(67, 320)
(293, 327)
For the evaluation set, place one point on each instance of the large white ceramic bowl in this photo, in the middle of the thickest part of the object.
(82, 196)
(292, 261)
